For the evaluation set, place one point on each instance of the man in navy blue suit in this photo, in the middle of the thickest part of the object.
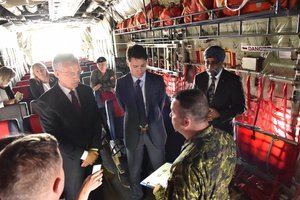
(223, 89)
(69, 112)
(141, 95)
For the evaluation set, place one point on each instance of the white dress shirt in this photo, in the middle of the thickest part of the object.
(216, 81)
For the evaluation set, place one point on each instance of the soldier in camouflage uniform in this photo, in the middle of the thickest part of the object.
(205, 166)
(103, 79)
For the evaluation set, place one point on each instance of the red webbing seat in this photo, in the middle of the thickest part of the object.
(173, 83)
(266, 140)
(269, 154)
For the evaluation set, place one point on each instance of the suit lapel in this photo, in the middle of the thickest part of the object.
(147, 92)
(81, 97)
(204, 86)
(63, 101)
(221, 83)
(130, 90)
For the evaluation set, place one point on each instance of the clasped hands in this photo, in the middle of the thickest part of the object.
(97, 87)
(91, 158)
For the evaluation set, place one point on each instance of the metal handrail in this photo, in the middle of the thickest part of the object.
(257, 129)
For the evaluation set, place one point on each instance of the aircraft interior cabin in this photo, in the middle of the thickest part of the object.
(189, 45)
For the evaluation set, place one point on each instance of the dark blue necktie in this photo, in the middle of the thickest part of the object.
(140, 103)
(75, 101)
(211, 90)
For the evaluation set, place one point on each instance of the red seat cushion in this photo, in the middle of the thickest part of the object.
(4, 129)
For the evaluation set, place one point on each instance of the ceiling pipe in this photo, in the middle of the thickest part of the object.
(31, 8)
(93, 6)
(21, 8)
(12, 3)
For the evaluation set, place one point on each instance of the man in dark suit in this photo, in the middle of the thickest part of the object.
(69, 112)
(223, 89)
(141, 95)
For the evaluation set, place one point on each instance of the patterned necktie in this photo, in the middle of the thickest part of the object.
(75, 101)
(211, 90)
(140, 103)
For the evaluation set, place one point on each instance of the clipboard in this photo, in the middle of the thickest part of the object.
(159, 176)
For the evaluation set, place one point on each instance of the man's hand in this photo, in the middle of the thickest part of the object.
(157, 187)
(213, 114)
(10, 102)
(91, 158)
(90, 183)
(97, 87)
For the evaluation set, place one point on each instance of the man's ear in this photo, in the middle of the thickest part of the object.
(56, 73)
(58, 186)
(186, 122)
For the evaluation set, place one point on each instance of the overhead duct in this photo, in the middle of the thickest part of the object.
(63, 8)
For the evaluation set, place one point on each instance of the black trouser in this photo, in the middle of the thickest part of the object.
(135, 159)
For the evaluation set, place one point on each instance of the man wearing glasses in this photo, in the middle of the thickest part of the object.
(68, 111)
(224, 90)
(141, 95)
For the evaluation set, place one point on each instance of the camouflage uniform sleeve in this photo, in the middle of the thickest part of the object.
(94, 79)
(188, 185)
(109, 80)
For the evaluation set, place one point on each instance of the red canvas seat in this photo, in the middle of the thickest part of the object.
(9, 127)
(23, 82)
(24, 89)
(32, 124)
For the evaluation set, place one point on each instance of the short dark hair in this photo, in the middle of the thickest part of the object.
(27, 164)
(63, 58)
(101, 60)
(136, 51)
(192, 102)
(9, 139)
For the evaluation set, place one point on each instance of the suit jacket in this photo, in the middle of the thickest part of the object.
(155, 93)
(228, 100)
(74, 131)
(36, 87)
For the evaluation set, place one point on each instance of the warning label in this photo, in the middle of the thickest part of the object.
(255, 48)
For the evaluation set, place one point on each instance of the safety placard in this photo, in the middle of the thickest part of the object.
(252, 48)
